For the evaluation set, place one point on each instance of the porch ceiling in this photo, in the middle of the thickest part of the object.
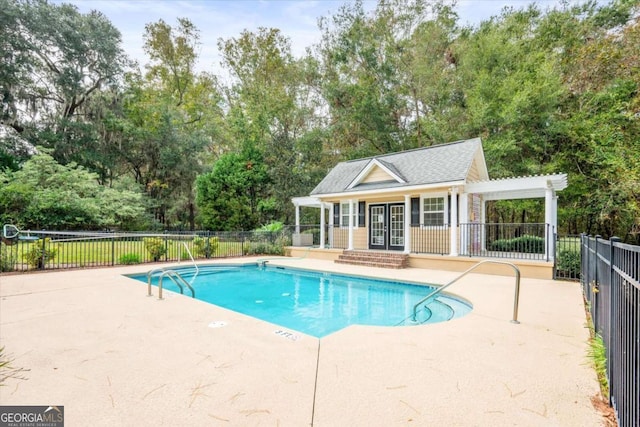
(527, 187)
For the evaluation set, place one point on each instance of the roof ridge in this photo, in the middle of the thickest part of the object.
(414, 150)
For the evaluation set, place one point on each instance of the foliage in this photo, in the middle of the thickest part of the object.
(156, 246)
(272, 227)
(265, 248)
(598, 354)
(130, 258)
(205, 246)
(39, 253)
(569, 262)
(56, 63)
(7, 259)
(8, 370)
(44, 193)
(227, 197)
(524, 244)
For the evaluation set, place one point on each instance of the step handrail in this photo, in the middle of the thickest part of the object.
(487, 261)
(177, 279)
(192, 260)
(171, 274)
(149, 275)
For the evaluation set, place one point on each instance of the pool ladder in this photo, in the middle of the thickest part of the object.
(175, 278)
(426, 300)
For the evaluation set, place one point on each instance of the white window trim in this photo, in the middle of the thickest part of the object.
(444, 196)
(355, 215)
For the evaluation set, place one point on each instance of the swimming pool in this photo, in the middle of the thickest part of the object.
(315, 303)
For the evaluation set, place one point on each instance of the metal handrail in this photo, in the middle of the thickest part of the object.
(442, 288)
(149, 275)
(192, 260)
(176, 278)
(171, 274)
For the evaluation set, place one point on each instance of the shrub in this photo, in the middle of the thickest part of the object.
(272, 227)
(524, 244)
(7, 260)
(155, 246)
(263, 248)
(569, 262)
(128, 259)
(205, 246)
(39, 253)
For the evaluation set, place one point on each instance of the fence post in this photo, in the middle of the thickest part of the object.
(595, 287)
(166, 247)
(207, 247)
(113, 251)
(612, 242)
(42, 253)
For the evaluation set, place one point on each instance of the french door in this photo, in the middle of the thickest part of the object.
(386, 226)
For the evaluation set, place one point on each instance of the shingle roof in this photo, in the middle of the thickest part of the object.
(435, 164)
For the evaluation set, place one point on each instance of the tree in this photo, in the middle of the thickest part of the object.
(171, 116)
(602, 123)
(46, 194)
(272, 108)
(55, 60)
(228, 197)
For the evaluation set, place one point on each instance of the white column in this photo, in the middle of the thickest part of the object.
(297, 218)
(464, 219)
(330, 224)
(351, 210)
(555, 212)
(548, 219)
(322, 226)
(453, 248)
(483, 227)
(407, 224)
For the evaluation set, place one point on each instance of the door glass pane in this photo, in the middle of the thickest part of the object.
(377, 225)
(397, 225)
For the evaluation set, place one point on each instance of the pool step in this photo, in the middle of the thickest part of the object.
(437, 309)
(374, 259)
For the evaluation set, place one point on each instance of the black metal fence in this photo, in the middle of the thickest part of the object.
(567, 260)
(434, 240)
(610, 279)
(48, 250)
(517, 241)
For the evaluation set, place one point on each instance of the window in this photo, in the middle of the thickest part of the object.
(434, 211)
(344, 215)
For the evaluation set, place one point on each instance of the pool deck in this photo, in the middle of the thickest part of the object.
(95, 343)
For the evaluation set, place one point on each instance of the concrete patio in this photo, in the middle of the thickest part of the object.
(95, 343)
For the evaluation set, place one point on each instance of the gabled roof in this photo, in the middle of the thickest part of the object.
(390, 171)
(424, 166)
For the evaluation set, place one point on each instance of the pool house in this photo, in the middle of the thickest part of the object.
(427, 208)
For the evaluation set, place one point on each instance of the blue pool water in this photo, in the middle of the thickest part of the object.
(311, 302)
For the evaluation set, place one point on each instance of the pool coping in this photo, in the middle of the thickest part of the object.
(95, 343)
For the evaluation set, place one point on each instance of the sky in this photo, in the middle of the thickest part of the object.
(297, 19)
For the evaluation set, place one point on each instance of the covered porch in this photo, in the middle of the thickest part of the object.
(400, 223)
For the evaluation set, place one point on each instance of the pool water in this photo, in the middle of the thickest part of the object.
(314, 303)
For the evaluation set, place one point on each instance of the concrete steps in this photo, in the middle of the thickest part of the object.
(380, 259)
